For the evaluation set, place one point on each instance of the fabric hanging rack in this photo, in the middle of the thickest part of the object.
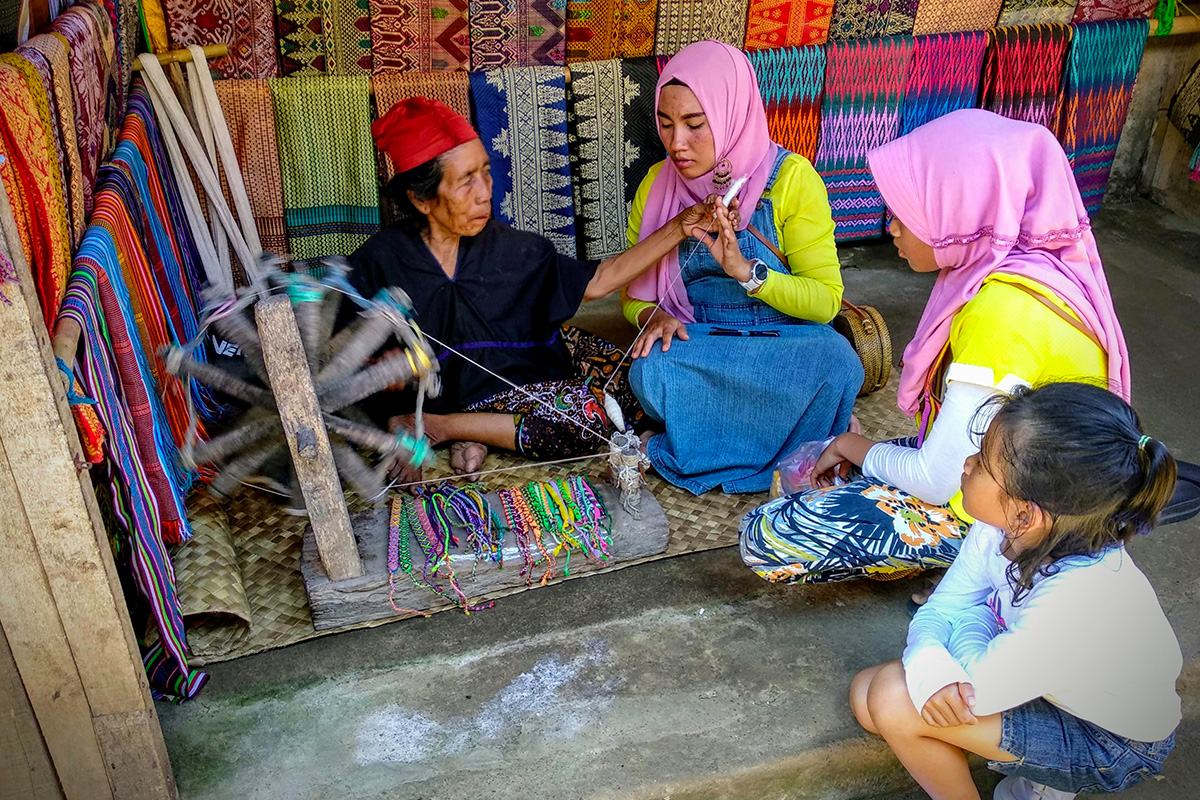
(184, 56)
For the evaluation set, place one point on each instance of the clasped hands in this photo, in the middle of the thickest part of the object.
(950, 706)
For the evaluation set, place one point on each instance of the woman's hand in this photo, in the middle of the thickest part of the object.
(722, 241)
(843, 454)
(661, 326)
(950, 706)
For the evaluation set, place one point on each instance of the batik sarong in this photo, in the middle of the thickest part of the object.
(682, 22)
(943, 76)
(860, 529)
(250, 116)
(614, 142)
(516, 34)
(247, 26)
(865, 19)
(1101, 69)
(949, 16)
(787, 23)
(521, 117)
(1036, 12)
(1097, 10)
(792, 81)
(1022, 72)
(864, 92)
(410, 35)
(33, 181)
(324, 37)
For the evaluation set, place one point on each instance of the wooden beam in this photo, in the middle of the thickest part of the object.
(291, 383)
(184, 56)
(59, 509)
(1183, 25)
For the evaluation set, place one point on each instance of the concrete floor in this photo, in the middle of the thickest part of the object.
(685, 678)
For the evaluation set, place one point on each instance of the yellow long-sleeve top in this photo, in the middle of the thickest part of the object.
(804, 225)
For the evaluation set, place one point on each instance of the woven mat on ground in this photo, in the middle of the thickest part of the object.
(239, 577)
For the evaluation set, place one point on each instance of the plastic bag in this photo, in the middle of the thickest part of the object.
(794, 471)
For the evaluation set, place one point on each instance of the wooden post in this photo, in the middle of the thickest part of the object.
(61, 602)
(291, 382)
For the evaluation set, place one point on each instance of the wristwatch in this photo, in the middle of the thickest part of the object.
(758, 276)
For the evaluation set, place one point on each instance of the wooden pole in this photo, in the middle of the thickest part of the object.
(291, 382)
(184, 56)
(61, 603)
(1183, 25)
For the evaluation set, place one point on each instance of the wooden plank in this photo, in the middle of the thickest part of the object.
(42, 655)
(26, 772)
(291, 383)
(128, 743)
(42, 447)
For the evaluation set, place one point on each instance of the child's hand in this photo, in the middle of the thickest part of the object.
(950, 706)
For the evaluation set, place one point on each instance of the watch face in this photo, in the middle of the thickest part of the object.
(760, 271)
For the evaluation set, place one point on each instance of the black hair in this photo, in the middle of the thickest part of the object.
(675, 82)
(1078, 452)
(423, 181)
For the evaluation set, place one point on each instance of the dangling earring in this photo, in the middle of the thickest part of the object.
(722, 175)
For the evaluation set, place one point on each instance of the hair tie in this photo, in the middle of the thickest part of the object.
(1142, 442)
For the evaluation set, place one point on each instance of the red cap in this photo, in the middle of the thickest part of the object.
(418, 129)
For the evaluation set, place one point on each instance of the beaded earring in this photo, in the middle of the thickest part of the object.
(722, 175)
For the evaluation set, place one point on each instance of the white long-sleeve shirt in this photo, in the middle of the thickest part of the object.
(1091, 639)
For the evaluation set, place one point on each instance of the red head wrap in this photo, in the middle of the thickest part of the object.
(417, 130)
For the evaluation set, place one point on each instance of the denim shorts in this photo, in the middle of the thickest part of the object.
(1067, 753)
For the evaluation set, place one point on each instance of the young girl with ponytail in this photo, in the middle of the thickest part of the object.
(1044, 648)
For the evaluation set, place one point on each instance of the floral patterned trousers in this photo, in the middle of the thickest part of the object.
(860, 529)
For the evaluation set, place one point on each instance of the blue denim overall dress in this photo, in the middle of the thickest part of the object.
(733, 405)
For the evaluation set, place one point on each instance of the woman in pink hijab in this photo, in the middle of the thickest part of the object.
(735, 357)
(991, 205)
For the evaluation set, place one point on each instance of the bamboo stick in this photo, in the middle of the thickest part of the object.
(184, 56)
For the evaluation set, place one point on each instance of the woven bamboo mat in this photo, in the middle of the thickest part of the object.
(239, 577)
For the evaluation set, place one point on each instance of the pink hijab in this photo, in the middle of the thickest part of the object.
(992, 194)
(725, 84)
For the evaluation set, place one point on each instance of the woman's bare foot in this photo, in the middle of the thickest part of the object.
(466, 458)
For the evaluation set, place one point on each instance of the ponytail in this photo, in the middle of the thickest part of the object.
(1139, 513)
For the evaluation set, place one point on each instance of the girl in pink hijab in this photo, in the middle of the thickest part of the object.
(747, 367)
(991, 205)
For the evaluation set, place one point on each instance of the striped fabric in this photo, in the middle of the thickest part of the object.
(787, 23)
(1022, 72)
(864, 94)
(1036, 12)
(1101, 68)
(792, 81)
(943, 76)
(327, 163)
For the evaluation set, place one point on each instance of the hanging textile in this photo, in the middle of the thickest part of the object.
(127, 25)
(53, 48)
(860, 110)
(1101, 68)
(250, 116)
(943, 76)
(107, 371)
(327, 162)
(324, 37)
(1022, 72)
(1096, 10)
(867, 19)
(1036, 12)
(1184, 114)
(91, 79)
(787, 23)
(10, 14)
(450, 87)
(614, 142)
(33, 180)
(949, 16)
(521, 117)
(517, 34)
(682, 22)
(602, 29)
(154, 24)
(792, 81)
(638, 20)
(247, 26)
(409, 35)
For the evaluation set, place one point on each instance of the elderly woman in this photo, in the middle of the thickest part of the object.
(493, 300)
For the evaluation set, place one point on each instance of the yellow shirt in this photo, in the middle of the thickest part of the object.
(804, 227)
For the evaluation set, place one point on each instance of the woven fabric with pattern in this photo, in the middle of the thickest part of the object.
(1184, 111)
(248, 27)
(860, 110)
(613, 144)
(327, 164)
(1101, 69)
(602, 29)
(792, 81)
(1097, 10)
(787, 23)
(866, 19)
(943, 76)
(324, 37)
(516, 34)
(1023, 71)
(250, 115)
(682, 22)
(411, 35)
(1036, 12)
(950, 16)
